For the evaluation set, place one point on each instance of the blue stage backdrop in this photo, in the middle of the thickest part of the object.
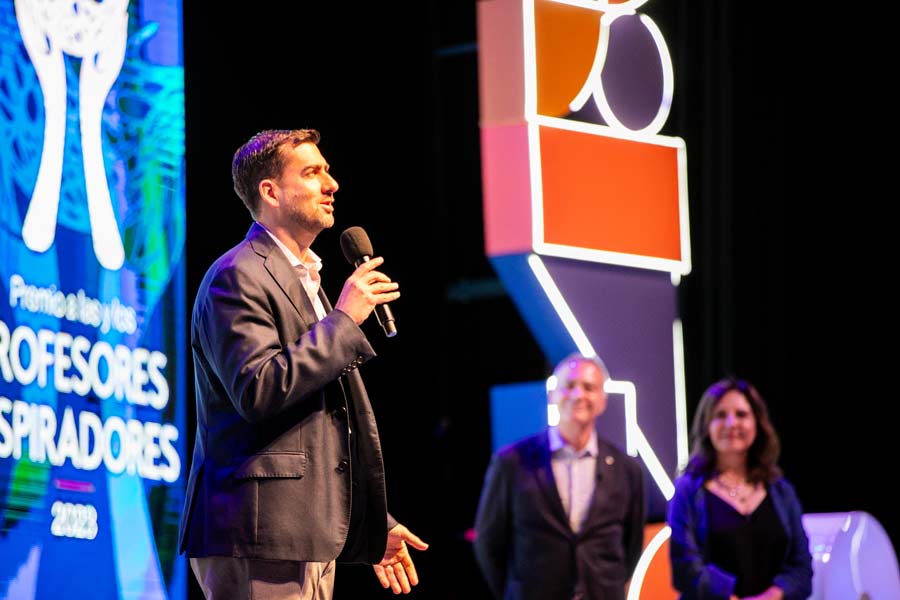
(92, 298)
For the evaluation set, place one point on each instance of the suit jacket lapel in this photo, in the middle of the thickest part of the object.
(604, 471)
(283, 274)
(547, 482)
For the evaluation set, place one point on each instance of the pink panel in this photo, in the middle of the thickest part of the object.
(506, 189)
(501, 63)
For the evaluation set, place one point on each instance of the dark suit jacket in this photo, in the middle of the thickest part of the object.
(271, 473)
(524, 544)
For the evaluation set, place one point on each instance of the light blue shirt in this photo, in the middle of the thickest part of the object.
(575, 475)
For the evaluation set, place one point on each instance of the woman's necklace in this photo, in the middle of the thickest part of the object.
(733, 491)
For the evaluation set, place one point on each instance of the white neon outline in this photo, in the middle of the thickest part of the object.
(606, 7)
(606, 131)
(560, 306)
(643, 564)
(681, 421)
(593, 84)
(684, 217)
(668, 75)
(636, 443)
(657, 471)
(607, 257)
(629, 391)
(552, 414)
(551, 383)
(537, 186)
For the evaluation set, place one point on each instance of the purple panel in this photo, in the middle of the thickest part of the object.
(632, 74)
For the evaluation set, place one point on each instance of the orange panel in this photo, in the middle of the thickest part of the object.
(565, 45)
(658, 579)
(609, 194)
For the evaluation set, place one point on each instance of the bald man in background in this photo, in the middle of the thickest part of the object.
(561, 514)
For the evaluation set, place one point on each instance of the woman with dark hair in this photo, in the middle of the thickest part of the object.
(737, 530)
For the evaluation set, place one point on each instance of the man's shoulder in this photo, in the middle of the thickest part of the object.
(245, 254)
(227, 261)
(606, 447)
(235, 269)
(523, 448)
(256, 243)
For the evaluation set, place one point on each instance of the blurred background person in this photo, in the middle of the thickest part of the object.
(561, 514)
(736, 521)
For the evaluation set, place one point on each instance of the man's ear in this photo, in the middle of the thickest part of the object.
(270, 192)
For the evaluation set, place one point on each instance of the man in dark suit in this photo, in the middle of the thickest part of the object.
(561, 514)
(287, 475)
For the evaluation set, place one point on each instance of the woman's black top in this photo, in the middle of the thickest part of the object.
(751, 547)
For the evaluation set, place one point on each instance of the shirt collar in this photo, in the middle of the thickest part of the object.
(312, 262)
(558, 443)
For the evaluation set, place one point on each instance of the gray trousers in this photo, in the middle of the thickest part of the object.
(227, 578)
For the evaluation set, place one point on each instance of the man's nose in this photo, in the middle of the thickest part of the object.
(329, 184)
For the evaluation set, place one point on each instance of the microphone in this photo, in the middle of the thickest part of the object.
(357, 250)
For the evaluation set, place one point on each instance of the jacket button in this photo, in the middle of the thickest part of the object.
(342, 466)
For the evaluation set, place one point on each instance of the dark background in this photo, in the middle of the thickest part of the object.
(784, 113)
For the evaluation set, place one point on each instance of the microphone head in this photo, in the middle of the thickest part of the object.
(355, 244)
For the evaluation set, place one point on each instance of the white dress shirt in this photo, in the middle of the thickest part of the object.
(308, 270)
(575, 475)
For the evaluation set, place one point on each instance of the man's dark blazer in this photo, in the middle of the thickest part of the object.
(524, 544)
(271, 472)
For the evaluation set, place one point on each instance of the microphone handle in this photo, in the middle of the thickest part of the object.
(382, 311)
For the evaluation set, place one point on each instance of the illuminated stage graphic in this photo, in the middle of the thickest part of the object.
(586, 216)
(92, 228)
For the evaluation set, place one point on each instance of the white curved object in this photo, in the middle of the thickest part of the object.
(853, 558)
